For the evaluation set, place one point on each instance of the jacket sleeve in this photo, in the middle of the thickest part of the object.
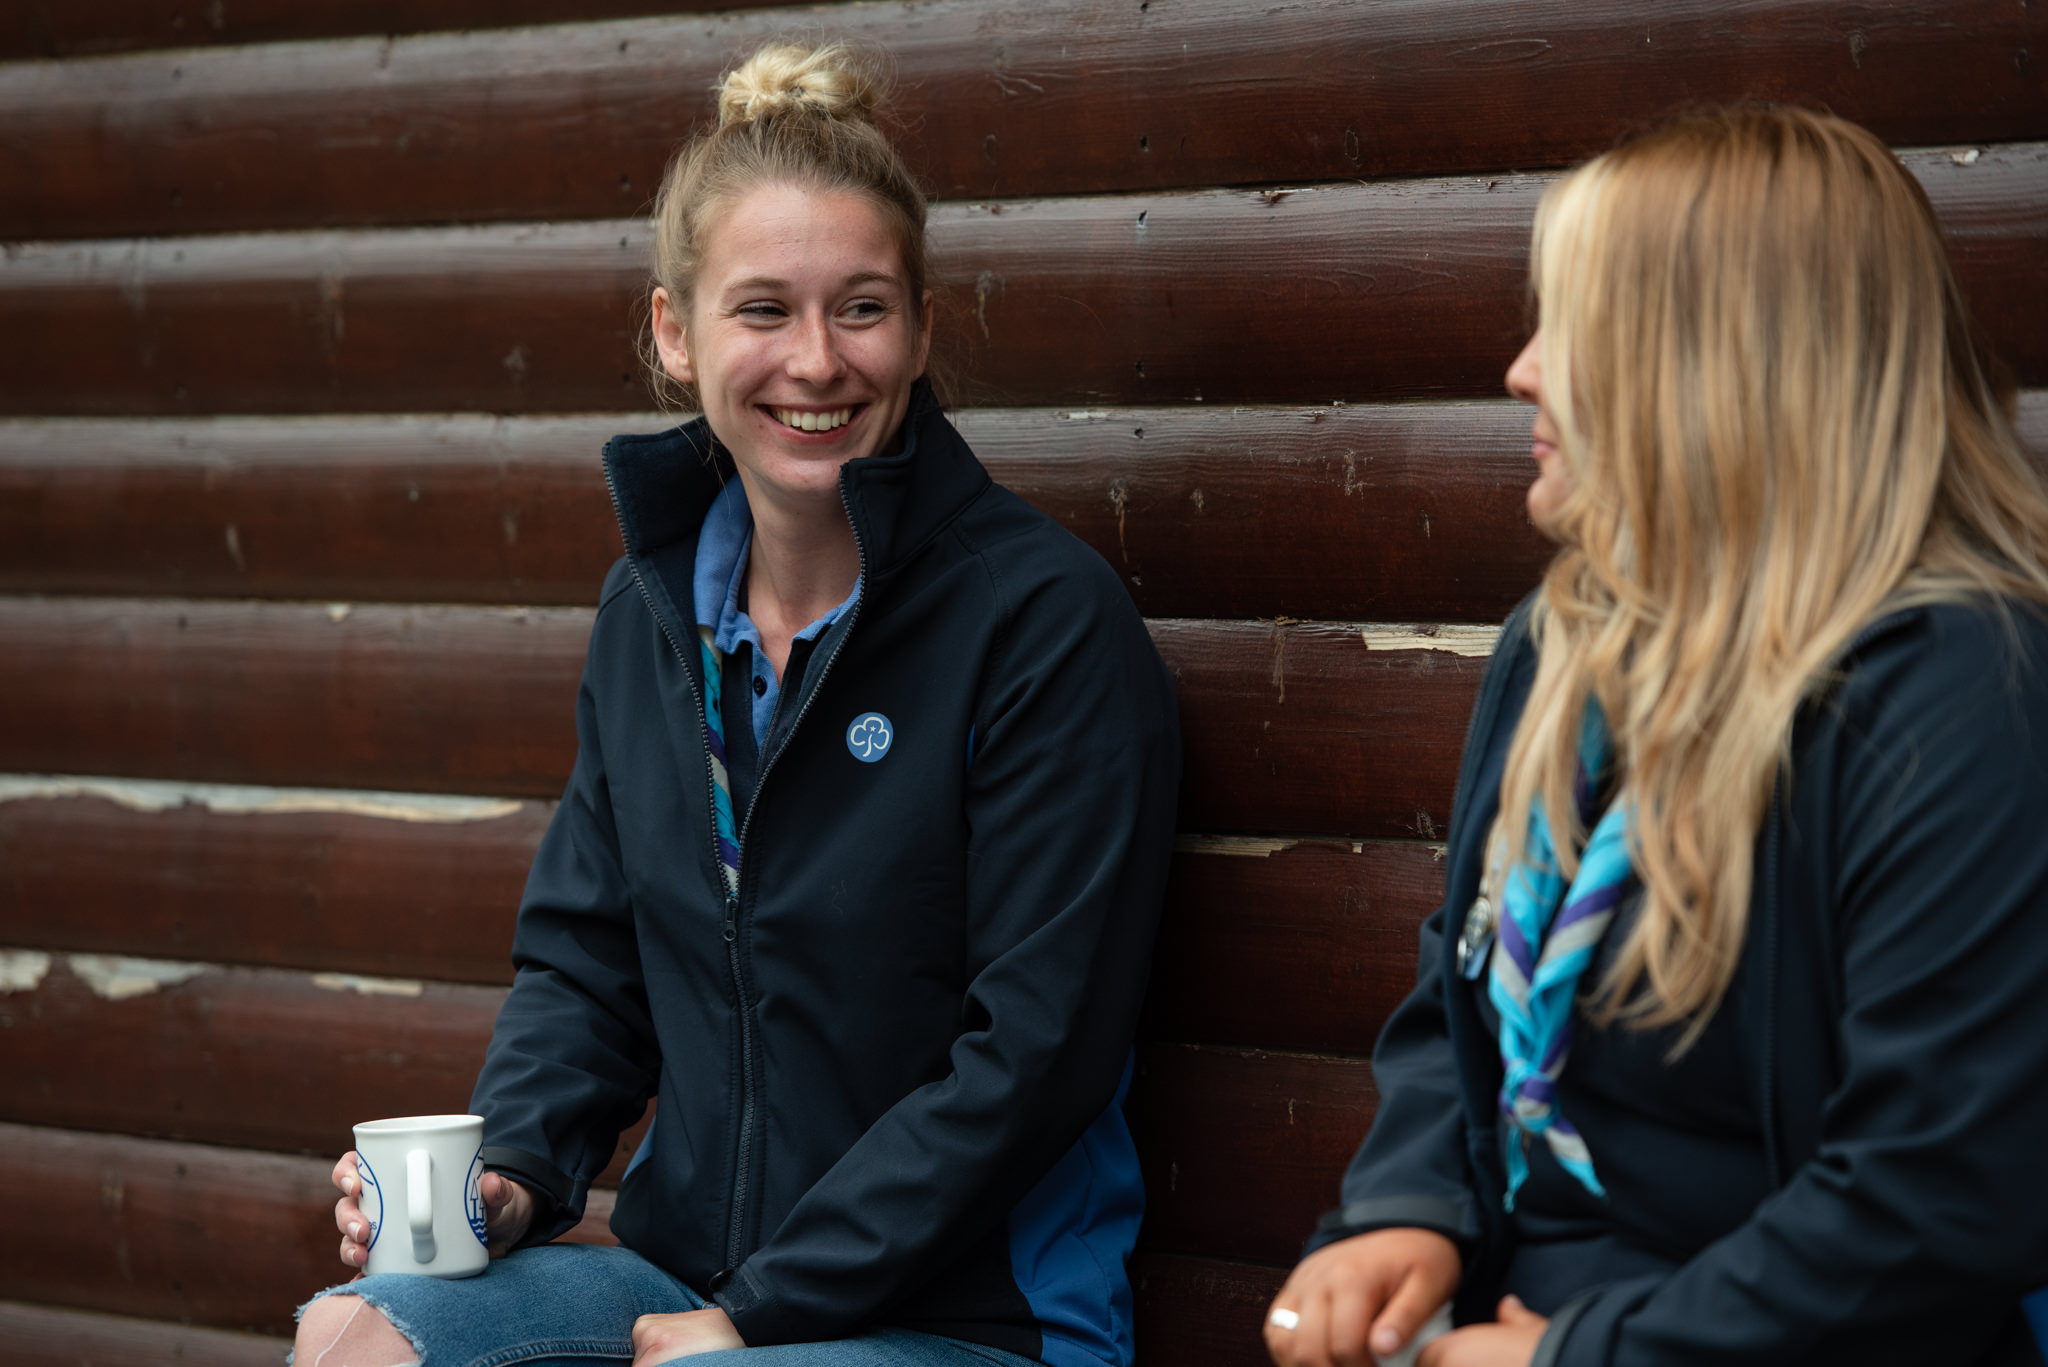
(1412, 1169)
(1070, 803)
(1919, 1224)
(571, 1061)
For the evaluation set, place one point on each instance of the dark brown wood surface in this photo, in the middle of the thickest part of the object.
(1001, 101)
(269, 878)
(73, 28)
(229, 1238)
(1242, 1149)
(1384, 512)
(1388, 512)
(1295, 944)
(1305, 727)
(1201, 1311)
(43, 1336)
(121, 1219)
(1289, 944)
(1346, 292)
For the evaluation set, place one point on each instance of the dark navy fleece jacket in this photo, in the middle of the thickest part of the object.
(888, 1071)
(1884, 1048)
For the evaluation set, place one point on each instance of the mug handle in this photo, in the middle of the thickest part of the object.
(419, 1203)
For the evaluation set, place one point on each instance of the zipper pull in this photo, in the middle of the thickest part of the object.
(732, 917)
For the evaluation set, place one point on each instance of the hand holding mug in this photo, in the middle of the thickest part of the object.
(508, 1210)
(1361, 1299)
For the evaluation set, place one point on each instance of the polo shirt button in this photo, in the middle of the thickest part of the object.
(760, 686)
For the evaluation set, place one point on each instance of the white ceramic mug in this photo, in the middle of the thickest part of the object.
(419, 1191)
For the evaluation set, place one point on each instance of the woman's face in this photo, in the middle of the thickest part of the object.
(802, 340)
(1553, 482)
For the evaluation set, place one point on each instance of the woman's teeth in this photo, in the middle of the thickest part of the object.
(813, 422)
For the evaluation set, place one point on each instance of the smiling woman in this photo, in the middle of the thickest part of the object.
(860, 864)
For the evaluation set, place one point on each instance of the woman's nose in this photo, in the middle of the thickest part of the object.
(815, 358)
(1525, 375)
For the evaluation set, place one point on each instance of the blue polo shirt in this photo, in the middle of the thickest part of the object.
(718, 575)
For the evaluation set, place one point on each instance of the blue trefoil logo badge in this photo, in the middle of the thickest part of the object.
(870, 737)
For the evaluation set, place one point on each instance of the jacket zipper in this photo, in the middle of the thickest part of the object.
(731, 931)
(735, 1235)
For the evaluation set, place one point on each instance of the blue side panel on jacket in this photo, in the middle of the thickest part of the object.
(2036, 1307)
(1069, 1239)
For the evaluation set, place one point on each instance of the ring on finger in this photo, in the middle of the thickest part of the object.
(1283, 1318)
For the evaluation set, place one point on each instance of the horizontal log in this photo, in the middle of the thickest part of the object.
(1398, 512)
(1297, 944)
(68, 28)
(44, 1336)
(1346, 292)
(227, 1238)
(387, 884)
(1286, 727)
(1064, 97)
(1288, 944)
(1201, 1312)
(1242, 1150)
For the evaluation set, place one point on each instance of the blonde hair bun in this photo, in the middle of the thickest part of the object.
(836, 81)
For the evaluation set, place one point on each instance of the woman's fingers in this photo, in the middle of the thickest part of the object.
(1310, 1340)
(346, 1180)
(1412, 1303)
(1512, 1312)
(1351, 1310)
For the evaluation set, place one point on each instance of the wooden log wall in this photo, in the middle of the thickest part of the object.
(314, 314)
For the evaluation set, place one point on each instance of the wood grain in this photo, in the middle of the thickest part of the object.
(1305, 727)
(124, 1216)
(1242, 1149)
(75, 28)
(999, 100)
(1295, 944)
(1345, 292)
(43, 1336)
(1394, 512)
(1201, 1310)
(120, 1220)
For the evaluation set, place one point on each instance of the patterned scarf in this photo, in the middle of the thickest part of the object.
(728, 839)
(1548, 934)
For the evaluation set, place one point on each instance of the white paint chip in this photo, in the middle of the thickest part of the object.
(22, 970)
(1474, 642)
(369, 987)
(1085, 414)
(114, 978)
(338, 612)
(150, 795)
(1966, 156)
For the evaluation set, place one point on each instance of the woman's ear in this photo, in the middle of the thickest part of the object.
(671, 340)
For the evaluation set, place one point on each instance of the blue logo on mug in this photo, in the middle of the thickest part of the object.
(473, 1199)
(869, 737)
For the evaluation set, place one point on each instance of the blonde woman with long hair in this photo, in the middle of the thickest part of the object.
(1731, 1039)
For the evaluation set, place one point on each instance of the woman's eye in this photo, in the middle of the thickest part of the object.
(761, 311)
(866, 310)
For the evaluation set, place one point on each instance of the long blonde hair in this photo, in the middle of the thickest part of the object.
(1780, 427)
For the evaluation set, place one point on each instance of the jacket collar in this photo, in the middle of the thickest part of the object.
(663, 485)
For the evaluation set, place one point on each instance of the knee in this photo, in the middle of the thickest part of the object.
(346, 1331)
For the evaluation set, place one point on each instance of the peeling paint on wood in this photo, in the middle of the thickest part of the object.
(154, 795)
(1473, 642)
(1241, 846)
(115, 978)
(22, 970)
(369, 987)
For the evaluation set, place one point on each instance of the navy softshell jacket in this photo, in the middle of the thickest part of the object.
(888, 1071)
(1888, 1021)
